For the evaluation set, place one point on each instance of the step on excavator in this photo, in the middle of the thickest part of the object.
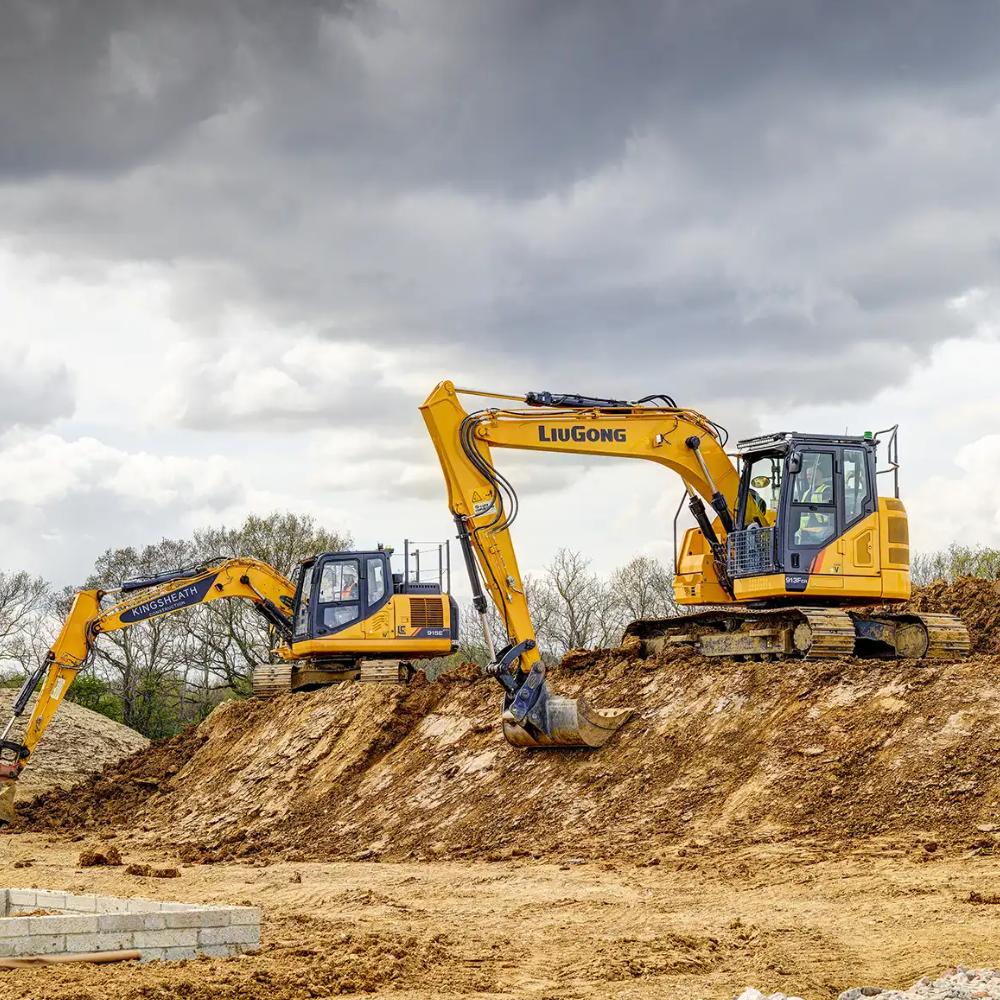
(346, 618)
(793, 552)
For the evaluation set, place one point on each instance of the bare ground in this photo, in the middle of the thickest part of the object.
(695, 926)
(77, 743)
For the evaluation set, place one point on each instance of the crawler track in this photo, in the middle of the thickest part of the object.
(808, 632)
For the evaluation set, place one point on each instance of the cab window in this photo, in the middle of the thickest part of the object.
(376, 581)
(855, 484)
(305, 592)
(814, 481)
(813, 510)
(339, 582)
(339, 593)
(763, 491)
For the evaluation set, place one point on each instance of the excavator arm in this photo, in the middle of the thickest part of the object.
(484, 505)
(140, 600)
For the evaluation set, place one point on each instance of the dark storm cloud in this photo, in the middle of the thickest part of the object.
(743, 204)
(100, 85)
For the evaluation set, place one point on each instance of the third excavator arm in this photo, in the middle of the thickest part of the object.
(791, 548)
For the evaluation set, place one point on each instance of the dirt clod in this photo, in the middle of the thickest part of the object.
(93, 859)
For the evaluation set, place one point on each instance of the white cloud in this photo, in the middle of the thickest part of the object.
(42, 469)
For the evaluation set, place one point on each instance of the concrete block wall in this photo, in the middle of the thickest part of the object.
(161, 931)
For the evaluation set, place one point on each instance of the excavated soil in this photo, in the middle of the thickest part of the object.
(77, 743)
(726, 753)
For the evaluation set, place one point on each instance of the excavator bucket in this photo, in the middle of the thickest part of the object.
(532, 717)
(7, 789)
(570, 722)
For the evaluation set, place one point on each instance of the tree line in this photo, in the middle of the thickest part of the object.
(168, 672)
(163, 674)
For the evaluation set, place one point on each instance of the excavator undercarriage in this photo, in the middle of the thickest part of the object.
(271, 679)
(805, 632)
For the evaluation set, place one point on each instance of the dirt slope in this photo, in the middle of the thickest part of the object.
(717, 751)
(77, 743)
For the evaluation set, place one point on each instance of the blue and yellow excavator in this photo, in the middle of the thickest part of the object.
(346, 617)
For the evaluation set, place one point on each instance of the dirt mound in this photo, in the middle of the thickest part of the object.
(119, 792)
(975, 601)
(717, 752)
(77, 743)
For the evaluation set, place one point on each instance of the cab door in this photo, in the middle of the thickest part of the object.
(813, 501)
(379, 618)
(338, 594)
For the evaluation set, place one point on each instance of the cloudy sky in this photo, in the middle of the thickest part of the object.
(240, 240)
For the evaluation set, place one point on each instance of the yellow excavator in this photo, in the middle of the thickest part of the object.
(347, 617)
(793, 552)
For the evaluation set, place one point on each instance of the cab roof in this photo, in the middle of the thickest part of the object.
(783, 441)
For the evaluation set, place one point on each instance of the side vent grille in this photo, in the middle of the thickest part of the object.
(899, 556)
(426, 612)
(899, 533)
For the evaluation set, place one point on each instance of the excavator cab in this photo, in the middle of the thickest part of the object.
(352, 618)
(809, 522)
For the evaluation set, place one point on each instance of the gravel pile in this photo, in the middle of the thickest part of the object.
(955, 984)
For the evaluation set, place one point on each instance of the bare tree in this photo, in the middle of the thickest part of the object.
(227, 639)
(141, 663)
(25, 620)
(571, 604)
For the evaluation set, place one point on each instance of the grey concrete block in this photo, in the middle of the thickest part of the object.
(245, 915)
(108, 904)
(78, 924)
(246, 934)
(153, 954)
(15, 927)
(166, 939)
(81, 904)
(218, 950)
(144, 906)
(43, 944)
(4, 902)
(121, 922)
(49, 899)
(108, 941)
(18, 899)
(198, 918)
(178, 954)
